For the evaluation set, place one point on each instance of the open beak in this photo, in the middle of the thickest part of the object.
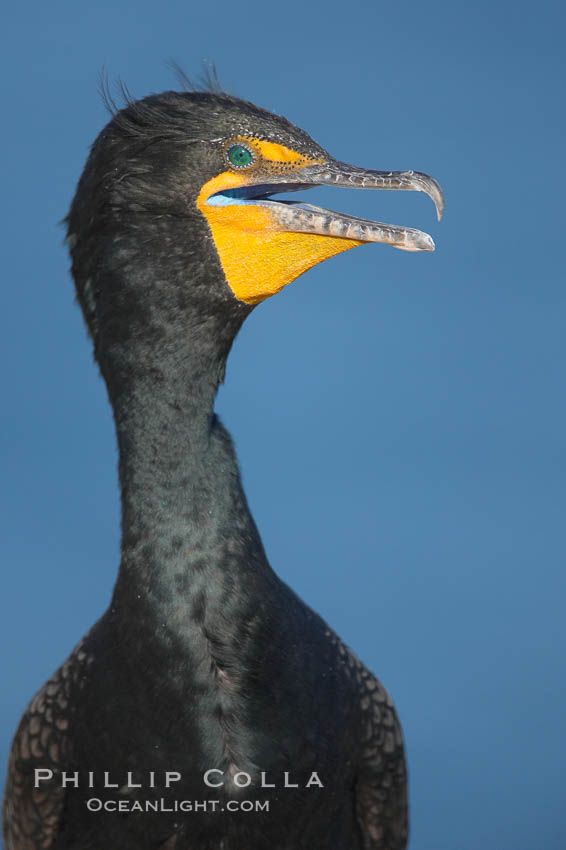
(264, 243)
(299, 217)
(351, 227)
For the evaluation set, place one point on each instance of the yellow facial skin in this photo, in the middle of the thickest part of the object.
(259, 259)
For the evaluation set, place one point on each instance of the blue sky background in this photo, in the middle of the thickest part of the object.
(400, 419)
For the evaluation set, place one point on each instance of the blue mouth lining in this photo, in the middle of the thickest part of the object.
(260, 192)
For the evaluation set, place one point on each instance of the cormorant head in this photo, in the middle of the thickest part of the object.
(188, 179)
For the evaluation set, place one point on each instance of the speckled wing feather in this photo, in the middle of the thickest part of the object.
(381, 782)
(32, 816)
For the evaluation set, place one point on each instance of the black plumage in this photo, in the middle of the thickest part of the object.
(205, 658)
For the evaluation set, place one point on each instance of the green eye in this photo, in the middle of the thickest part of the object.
(239, 156)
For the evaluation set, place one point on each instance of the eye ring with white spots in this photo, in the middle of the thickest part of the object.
(239, 156)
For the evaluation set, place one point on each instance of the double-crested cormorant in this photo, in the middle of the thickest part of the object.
(208, 687)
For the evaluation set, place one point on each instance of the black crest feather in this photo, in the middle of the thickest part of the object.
(115, 101)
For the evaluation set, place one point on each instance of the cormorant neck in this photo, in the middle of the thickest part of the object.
(179, 479)
(164, 422)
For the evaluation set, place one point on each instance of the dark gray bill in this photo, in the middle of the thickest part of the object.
(350, 176)
(299, 217)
